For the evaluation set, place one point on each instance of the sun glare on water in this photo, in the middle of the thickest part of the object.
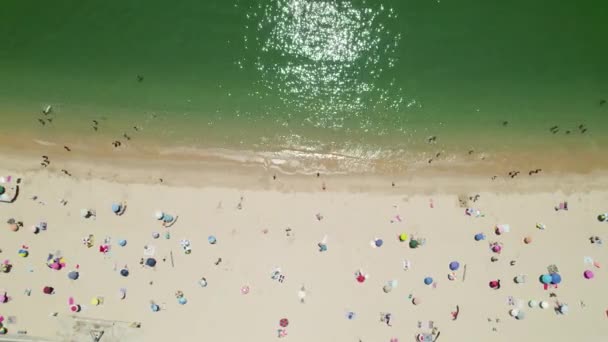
(328, 62)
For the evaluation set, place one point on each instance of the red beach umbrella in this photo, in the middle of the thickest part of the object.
(284, 322)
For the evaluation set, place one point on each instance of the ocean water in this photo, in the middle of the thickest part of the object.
(361, 79)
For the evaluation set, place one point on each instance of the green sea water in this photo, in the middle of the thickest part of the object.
(352, 77)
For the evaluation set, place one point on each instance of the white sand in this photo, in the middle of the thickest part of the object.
(220, 312)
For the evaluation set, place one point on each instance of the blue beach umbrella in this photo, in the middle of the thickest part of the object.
(545, 278)
(212, 240)
(182, 300)
(454, 265)
(150, 262)
(122, 243)
(124, 272)
(73, 275)
(116, 207)
(428, 281)
(556, 278)
(479, 237)
(154, 307)
(379, 242)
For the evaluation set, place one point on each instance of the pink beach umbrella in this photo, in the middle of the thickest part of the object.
(3, 298)
(496, 248)
(588, 274)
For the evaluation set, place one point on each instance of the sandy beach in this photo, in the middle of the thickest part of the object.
(263, 226)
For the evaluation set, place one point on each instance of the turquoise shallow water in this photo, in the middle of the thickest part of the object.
(310, 75)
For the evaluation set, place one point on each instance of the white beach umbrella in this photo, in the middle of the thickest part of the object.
(532, 303)
(85, 213)
(514, 312)
(544, 304)
(159, 215)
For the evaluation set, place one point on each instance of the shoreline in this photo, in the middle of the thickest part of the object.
(214, 172)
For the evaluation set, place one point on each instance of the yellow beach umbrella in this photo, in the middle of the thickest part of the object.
(95, 301)
(403, 237)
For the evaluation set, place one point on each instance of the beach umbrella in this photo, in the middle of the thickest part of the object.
(124, 272)
(75, 308)
(47, 290)
(159, 215)
(85, 213)
(3, 298)
(527, 240)
(416, 301)
(479, 237)
(212, 240)
(378, 242)
(154, 307)
(563, 309)
(23, 253)
(544, 305)
(122, 243)
(3, 331)
(454, 265)
(601, 217)
(73, 275)
(514, 312)
(428, 281)
(556, 278)
(351, 315)
(520, 279)
(545, 278)
(414, 243)
(182, 300)
(496, 248)
(360, 278)
(95, 301)
(387, 288)
(155, 235)
(520, 315)
(532, 303)
(167, 218)
(2, 190)
(151, 262)
(284, 322)
(588, 274)
(403, 237)
(116, 207)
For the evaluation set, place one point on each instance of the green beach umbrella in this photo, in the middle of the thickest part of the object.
(2, 190)
(414, 243)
